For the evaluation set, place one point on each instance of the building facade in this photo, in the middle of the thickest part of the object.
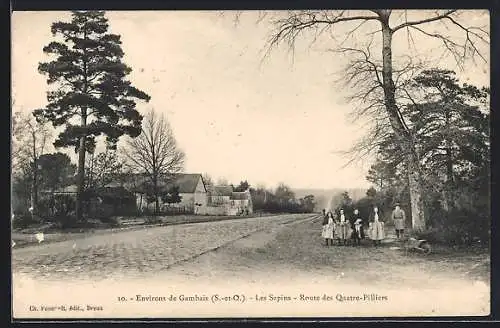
(191, 189)
(223, 200)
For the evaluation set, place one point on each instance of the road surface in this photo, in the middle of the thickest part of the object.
(280, 265)
(137, 252)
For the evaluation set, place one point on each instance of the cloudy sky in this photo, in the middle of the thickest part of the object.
(282, 119)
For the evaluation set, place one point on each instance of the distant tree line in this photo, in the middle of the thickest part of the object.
(281, 199)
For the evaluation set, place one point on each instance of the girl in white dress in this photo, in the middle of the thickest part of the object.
(376, 227)
(327, 232)
(344, 228)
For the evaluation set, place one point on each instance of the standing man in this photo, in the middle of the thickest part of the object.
(399, 218)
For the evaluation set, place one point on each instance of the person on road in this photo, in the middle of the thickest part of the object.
(357, 228)
(343, 228)
(327, 232)
(398, 217)
(376, 227)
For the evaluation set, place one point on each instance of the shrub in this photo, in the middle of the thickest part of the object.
(66, 220)
(146, 212)
(153, 220)
(111, 221)
(22, 220)
(459, 227)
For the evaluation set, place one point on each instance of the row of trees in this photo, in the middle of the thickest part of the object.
(40, 172)
(90, 97)
(382, 83)
(280, 200)
(449, 122)
(365, 204)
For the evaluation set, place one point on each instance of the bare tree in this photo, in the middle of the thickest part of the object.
(362, 79)
(207, 179)
(29, 141)
(222, 181)
(435, 25)
(102, 167)
(155, 152)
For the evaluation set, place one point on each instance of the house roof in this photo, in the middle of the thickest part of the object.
(108, 191)
(222, 190)
(240, 195)
(186, 182)
(132, 182)
(113, 192)
(71, 189)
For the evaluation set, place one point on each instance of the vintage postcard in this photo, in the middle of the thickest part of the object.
(249, 164)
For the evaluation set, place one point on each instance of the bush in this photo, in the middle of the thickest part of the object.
(111, 221)
(22, 220)
(153, 220)
(146, 211)
(459, 227)
(45, 207)
(65, 220)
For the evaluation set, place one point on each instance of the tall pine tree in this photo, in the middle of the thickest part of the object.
(91, 94)
(451, 123)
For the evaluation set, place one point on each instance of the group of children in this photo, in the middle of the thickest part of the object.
(343, 229)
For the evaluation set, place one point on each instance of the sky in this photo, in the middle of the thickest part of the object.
(236, 114)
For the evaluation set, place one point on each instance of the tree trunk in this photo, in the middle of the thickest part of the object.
(91, 172)
(416, 200)
(402, 134)
(81, 148)
(155, 192)
(140, 204)
(34, 190)
(34, 187)
(448, 190)
(81, 171)
(449, 164)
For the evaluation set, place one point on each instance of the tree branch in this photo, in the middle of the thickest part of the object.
(423, 21)
(289, 28)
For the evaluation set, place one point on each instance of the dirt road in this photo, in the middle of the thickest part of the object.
(136, 252)
(279, 266)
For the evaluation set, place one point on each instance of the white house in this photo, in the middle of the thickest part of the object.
(191, 189)
(222, 200)
(242, 201)
(219, 195)
(219, 200)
